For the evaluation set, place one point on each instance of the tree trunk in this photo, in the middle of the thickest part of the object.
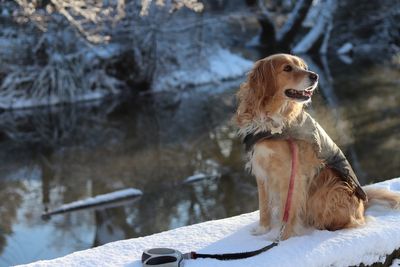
(267, 36)
(293, 24)
(320, 28)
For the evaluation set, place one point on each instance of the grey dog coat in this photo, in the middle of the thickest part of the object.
(307, 129)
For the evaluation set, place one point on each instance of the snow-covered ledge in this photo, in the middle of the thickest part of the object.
(368, 244)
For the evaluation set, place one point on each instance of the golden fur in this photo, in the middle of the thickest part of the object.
(320, 199)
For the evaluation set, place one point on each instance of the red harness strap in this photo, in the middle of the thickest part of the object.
(288, 204)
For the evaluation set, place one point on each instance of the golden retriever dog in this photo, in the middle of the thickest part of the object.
(325, 196)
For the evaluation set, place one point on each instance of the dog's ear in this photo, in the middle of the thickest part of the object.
(262, 80)
(257, 91)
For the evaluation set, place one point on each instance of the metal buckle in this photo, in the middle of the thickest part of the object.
(279, 238)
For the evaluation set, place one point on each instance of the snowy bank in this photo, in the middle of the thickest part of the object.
(367, 244)
(220, 65)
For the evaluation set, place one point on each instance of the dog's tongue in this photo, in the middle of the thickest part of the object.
(308, 93)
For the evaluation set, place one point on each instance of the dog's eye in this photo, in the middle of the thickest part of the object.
(288, 68)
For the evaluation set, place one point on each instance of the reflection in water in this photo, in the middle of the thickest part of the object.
(58, 155)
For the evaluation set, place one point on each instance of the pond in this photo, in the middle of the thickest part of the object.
(153, 142)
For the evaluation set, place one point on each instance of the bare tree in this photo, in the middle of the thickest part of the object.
(75, 42)
(290, 35)
(321, 29)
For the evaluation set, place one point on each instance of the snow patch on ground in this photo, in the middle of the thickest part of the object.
(367, 244)
(219, 66)
(396, 263)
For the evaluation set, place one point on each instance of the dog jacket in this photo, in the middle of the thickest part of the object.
(307, 129)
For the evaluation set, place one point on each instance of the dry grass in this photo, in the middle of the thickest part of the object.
(60, 81)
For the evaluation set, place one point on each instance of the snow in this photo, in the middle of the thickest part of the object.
(198, 177)
(345, 48)
(98, 200)
(24, 102)
(319, 28)
(367, 244)
(103, 52)
(195, 178)
(396, 263)
(345, 59)
(291, 20)
(220, 65)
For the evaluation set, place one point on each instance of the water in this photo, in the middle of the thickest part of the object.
(58, 155)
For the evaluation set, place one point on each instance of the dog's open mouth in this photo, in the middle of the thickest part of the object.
(300, 95)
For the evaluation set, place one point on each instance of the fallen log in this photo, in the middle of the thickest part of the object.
(113, 199)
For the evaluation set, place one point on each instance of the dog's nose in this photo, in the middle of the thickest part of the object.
(313, 76)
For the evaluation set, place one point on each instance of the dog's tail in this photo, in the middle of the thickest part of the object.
(383, 197)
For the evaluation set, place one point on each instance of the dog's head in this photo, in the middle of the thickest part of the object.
(278, 83)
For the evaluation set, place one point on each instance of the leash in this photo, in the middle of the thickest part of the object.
(288, 204)
(232, 256)
(170, 257)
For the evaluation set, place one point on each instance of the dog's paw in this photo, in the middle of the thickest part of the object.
(259, 230)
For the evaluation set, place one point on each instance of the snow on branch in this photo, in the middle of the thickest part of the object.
(97, 201)
(91, 18)
(194, 5)
(288, 31)
(267, 25)
(321, 27)
(76, 28)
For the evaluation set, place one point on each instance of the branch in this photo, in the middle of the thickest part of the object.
(320, 27)
(288, 31)
(267, 25)
(324, 47)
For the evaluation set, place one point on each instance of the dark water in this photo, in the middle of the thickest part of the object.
(59, 155)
